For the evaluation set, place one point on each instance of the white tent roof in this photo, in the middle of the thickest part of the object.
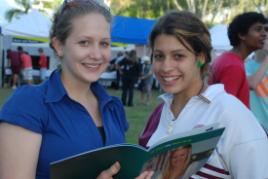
(219, 37)
(33, 24)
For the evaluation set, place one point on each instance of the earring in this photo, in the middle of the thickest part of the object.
(199, 64)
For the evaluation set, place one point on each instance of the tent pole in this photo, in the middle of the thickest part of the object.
(144, 50)
(2, 74)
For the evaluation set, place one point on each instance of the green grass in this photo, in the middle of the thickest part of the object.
(137, 115)
(4, 94)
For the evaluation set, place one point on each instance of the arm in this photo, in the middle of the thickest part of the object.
(250, 160)
(148, 74)
(245, 147)
(19, 150)
(256, 78)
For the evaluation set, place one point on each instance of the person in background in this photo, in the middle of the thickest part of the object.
(43, 64)
(129, 71)
(246, 34)
(15, 64)
(146, 81)
(27, 66)
(114, 66)
(257, 75)
(71, 112)
(181, 50)
(119, 56)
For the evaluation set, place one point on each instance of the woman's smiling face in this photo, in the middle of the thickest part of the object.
(175, 65)
(86, 51)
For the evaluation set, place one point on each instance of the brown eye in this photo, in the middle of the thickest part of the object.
(178, 56)
(158, 57)
(84, 43)
(105, 44)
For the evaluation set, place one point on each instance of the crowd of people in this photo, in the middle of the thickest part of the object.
(21, 64)
(132, 72)
(72, 113)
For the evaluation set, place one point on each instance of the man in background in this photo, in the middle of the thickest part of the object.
(114, 66)
(27, 66)
(246, 34)
(130, 72)
(43, 64)
(15, 64)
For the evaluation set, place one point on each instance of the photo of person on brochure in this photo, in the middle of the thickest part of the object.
(179, 160)
(171, 164)
(179, 163)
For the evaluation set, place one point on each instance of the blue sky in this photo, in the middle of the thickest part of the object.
(4, 6)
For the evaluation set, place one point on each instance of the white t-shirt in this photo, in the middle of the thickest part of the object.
(242, 151)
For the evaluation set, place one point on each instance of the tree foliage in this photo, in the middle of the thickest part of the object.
(210, 11)
(24, 7)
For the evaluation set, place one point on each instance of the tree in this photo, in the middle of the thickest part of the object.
(142, 8)
(45, 6)
(210, 11)
(156, 8)
(24, 7)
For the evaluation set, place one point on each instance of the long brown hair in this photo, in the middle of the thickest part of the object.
(186, 27)
(168, 171)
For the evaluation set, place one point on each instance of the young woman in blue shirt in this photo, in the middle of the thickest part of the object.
(70, 112)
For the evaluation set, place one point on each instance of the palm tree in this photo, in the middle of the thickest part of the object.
(25, 6)
(45, 6)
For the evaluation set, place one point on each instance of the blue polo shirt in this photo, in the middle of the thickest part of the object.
(65, 125)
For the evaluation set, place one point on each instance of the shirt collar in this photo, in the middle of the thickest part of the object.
(56, 90)
(212, 91)
(207, 96)
(101, 94)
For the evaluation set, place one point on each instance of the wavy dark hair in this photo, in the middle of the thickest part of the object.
(186, 27)
(241, 24)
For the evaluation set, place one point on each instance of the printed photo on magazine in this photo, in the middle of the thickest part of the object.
(178, 155)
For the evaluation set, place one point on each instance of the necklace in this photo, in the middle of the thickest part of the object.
(172, 122)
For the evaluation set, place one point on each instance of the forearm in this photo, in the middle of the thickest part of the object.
(256, 78)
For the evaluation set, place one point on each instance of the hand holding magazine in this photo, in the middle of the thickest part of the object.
(194, 146)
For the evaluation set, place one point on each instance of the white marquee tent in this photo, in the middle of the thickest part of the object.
(33, 24)
(219, 37)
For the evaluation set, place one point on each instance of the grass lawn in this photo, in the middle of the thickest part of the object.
(137, 115)
(4, 94)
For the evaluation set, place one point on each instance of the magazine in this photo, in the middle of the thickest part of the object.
(188, 150)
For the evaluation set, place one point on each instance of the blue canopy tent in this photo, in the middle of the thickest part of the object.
(128, 30)
(131, 30)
